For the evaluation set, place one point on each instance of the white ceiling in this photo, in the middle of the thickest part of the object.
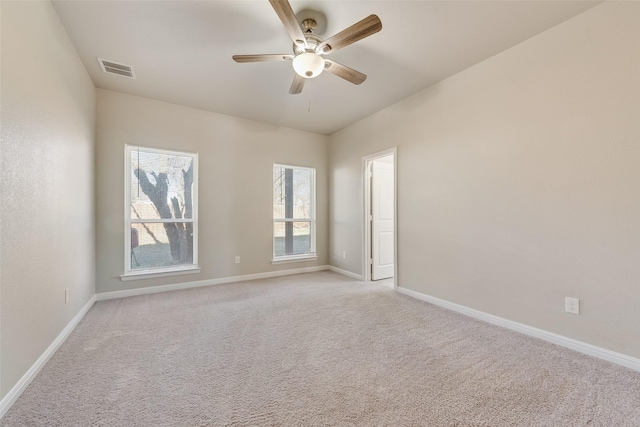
(181, 51)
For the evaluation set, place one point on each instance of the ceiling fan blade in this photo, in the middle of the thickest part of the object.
(290, 22)
(297, 85)
(368, 26)
(349, 74)
(261, 58)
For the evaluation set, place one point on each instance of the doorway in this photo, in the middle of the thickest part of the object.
(380, 173)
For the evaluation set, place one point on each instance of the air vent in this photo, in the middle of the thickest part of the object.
(111, 67)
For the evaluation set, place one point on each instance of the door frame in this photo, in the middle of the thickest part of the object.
(367, 241)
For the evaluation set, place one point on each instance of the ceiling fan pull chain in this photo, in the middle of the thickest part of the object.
(309, 107)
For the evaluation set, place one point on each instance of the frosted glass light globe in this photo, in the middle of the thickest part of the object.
(308, 65)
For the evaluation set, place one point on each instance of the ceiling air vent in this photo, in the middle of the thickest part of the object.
(111, 67)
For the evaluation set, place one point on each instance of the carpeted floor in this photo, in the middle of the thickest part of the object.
(314, 350)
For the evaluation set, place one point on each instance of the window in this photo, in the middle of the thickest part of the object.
(161, 226)
(294, 216)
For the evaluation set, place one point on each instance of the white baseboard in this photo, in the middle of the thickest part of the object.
(579, 346)
(200, 283)
(26, 379)
(346, 273)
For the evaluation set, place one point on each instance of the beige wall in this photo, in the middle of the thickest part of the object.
(46, 185)
(518, 182)
(236, 158)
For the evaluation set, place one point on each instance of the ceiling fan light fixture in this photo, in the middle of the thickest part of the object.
(308, 65)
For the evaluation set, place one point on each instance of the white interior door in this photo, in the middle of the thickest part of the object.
(382, 207)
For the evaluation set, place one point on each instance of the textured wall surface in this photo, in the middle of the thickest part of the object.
(518, 182)
(46, 185)
(236, 159)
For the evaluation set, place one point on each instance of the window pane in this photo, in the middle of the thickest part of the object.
(156, 245)
(292, 238)
(301, 193)
(278, 192)
(291, 193)
(161, 185)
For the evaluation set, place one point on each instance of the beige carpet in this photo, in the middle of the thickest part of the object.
(314, 350)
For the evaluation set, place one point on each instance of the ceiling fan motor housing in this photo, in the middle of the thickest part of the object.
(312, 42)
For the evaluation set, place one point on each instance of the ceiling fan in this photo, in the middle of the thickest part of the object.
(309, 49)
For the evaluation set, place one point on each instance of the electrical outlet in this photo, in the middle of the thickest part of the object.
(67, 297)
(237, 260)
(344, 254)
(572, 305)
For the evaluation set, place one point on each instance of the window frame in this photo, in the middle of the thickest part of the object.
(146, 273)
(312, 255)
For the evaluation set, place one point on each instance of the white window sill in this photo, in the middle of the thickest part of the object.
(152, 274)
(290, 259)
